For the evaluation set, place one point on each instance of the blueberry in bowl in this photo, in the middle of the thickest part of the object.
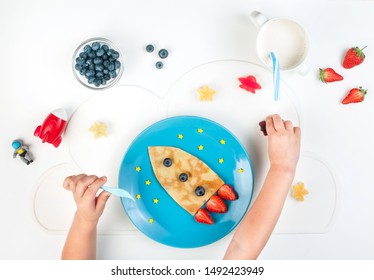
(97, 63)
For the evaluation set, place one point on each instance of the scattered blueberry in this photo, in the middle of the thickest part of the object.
(167, 162)
(183, 177)
(98, 63)
(149, 48)
(163, 53)
(159, 65)
(199, 191)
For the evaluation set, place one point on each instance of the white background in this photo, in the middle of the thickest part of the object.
(38, 39)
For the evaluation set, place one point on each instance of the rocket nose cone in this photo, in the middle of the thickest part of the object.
(60, 113)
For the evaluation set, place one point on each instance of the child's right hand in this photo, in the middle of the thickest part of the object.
(84, 188)
(283, 143)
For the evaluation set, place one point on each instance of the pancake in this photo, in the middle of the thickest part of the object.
(187, 179)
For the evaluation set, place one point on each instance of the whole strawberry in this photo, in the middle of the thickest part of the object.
(329, 75)
(355, 95)
(353, 57)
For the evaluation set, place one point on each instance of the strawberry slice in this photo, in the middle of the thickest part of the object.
(329, 75)
(202, 216)
(249, 84)
(227, 192)
(355, 95)
(216, 205)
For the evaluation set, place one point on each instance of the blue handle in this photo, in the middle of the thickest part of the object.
(118, 192)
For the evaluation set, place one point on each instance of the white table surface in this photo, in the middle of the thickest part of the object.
(38, 39)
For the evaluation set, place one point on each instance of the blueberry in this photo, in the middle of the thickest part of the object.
(98, 60)
(111, 66)
(100, 52)
(105, 56)
(105, 47)
(78, 67)
(115, 54)
(103, 82)
(83, 55)
(183, 177)
(92, 55)
(91, 80)
(159, 65)
(90, 73)
(163, 53)
(167, 162)
(79, 60)
(149, 48)
(106, 71)
(99, 67)
(117, 64)
(82, 71)
(87, 49)
(199, 191)
(97, 82)
(106, 63)
(110, 52)
(95, 46)
(89, 61)
(99, 75)
(107, 77)
(112, 74)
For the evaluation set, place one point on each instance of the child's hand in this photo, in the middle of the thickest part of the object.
(283, 143)
(84, 189)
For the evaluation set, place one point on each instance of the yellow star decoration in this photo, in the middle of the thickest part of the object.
(138, 196)
(220, 160)
(99, 129)
(137, 169)
(200, 130)
(151, 220)
(240, 170)
(222, 141)
(299, 191)
(200, 147)
(155, 200)
(148, 182)
(180, 136)
(206, 93)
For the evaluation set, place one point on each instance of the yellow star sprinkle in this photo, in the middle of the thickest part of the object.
(240, 170)
(222, 141)
(206, 93)
(298, 191)
(148, 182)
(99, 129)
(137, 169)
(155, 200)
(220, 160)
(200, 147)
(180, 136)
(200, 130)
(151, 220)
(138, 196)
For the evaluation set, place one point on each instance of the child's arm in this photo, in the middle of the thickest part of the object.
(81, 240)
(254, 231)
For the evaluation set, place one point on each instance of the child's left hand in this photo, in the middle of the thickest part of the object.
(84, 188)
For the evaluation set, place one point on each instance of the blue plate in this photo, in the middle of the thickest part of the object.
(150, 207)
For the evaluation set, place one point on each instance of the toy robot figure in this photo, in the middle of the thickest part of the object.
(22, 151)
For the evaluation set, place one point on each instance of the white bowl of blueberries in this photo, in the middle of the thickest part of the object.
(97, 63)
